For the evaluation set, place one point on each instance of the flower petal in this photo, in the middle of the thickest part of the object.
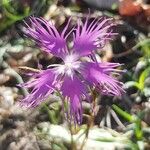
(46, 36)
(74, 89)
(101, 76)
(92, 36)
(43, 84)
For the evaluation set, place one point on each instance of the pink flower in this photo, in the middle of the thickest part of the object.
(76, 74)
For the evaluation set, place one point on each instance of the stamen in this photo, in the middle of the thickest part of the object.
(54, 65)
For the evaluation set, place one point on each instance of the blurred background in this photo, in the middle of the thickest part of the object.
(117, 123)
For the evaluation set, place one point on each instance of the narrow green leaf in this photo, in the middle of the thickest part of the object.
(123, 113)
(142, 77)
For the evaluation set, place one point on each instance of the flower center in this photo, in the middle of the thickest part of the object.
(70, 64)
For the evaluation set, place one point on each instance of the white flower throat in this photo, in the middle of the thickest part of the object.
(70, 64)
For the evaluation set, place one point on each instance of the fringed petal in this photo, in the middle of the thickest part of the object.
(46, 36)
(73, 89)
(92, 36)
(101, 75)
(42, 85)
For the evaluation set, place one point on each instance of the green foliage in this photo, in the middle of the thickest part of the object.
(145, 47)
(13, 11)
(140, 84)
(11, 14)
(53, 112)
(134, 119)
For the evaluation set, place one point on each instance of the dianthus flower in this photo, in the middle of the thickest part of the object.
(79, 70)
